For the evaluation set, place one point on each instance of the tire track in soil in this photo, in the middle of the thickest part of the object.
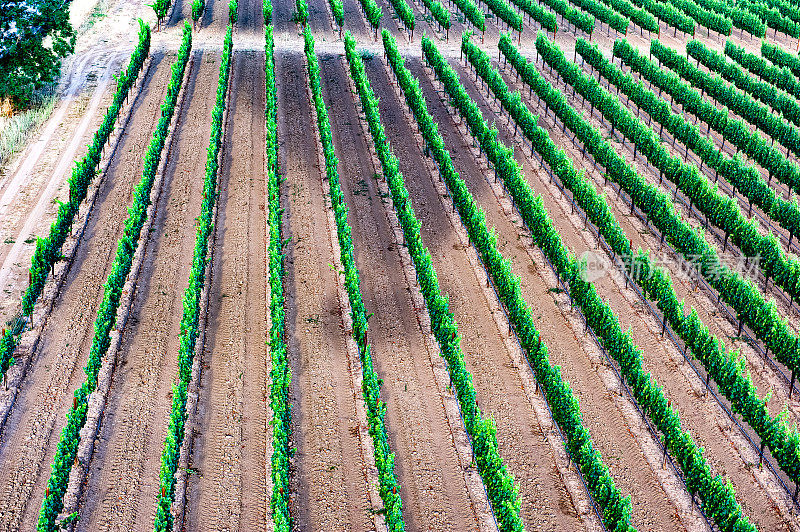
(34, 426)
(121, 489)
(546, 504)
(227, 491)
(611, 435)
(432, 482)
(699, 414)
(328, 475)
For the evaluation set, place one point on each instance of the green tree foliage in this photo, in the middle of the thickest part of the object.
(280, 373)
(161, 9)
(706, 18)
(740, 103)
(233, 11)
(404, 13)
(439, 13)
(506, 13)
(337, 8)
(637, 15)
(67, 448)
(782, 58)
(372, 12)
(472, 13)
(772, 17)
(34, 36)
(605, 14)
(191, 302)
(535, 10)
(581, 20)
(741, 18)
(768, 94)
(668, 14)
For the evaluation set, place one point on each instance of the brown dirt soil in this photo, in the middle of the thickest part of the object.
(228, 456)
(433, 489)
(32, 431)
(652, 507)
(121, 490)
(546, 505)
(699, 415)
(328, 470)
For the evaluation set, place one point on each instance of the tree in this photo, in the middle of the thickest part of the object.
(34, 36)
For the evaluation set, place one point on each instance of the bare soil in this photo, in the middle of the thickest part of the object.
(332, 471)
(432, 484)
(330, 487)
(523, 446)
(30, 434)
(226, 489)
(127, 460)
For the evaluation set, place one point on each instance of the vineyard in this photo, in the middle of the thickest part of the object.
(408, 265)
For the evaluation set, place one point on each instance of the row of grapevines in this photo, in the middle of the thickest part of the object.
(781, 77)
(741, 18)
(772, 18)
(267, 9)
(744, 178)
(545, 17)
(722, 365)
(785, 212)
(440, 13)
(782, 103)
(742, 295)
(404, 13)
(604, 14)
(704, 17)
(564, 405)
(280, 373)
(472, 13)
(107, 314)
(581, 20)
(785, 8)
(337, 8)
(302, 11)
(740, 103)
(191, 302)
(372, 12)
(376, 409)
(198, 6)
(161, 8)
(500, 486)
(233, 11)
(780, 57)
(48, 250)
(718, 496)
(637, 15)
(668, 14)
(503, 10)
(732, 129)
